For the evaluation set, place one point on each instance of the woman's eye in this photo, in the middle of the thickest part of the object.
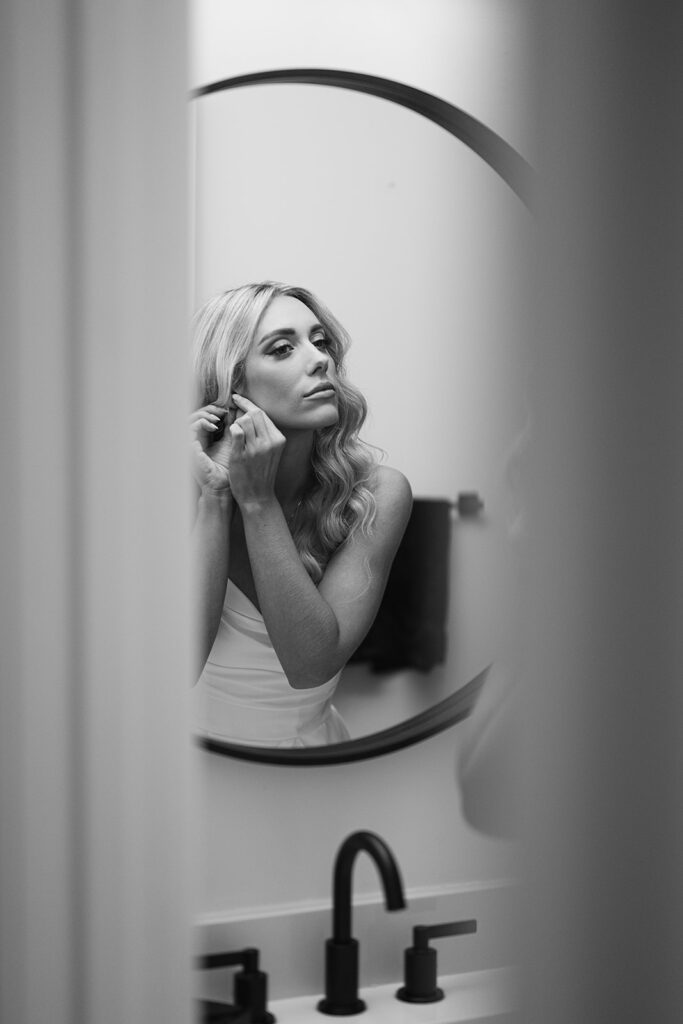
(282, 349)
(321, 342)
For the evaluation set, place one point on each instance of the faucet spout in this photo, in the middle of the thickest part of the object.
(343, 870)
(341, 951)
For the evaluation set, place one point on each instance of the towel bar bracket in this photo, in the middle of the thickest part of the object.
(468, 504)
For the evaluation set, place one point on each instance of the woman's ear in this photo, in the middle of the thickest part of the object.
(238, 385)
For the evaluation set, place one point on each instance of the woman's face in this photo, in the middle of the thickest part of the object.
(289, 371)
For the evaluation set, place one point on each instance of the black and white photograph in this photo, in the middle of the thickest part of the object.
(341, 549)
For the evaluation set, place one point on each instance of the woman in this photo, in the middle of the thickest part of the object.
(297, 525)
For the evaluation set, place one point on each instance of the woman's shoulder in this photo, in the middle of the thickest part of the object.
(390, 480)
(392, 491)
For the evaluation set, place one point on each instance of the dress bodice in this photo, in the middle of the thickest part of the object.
(243, 695)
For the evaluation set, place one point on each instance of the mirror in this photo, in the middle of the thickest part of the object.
(403, 214)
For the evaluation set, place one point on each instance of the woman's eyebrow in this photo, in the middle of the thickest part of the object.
(287, 332)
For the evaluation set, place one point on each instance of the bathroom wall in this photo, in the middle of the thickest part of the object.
(270, 833)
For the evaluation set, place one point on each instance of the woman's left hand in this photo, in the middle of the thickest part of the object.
(255, 454)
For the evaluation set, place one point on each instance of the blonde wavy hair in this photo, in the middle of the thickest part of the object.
(340, 500)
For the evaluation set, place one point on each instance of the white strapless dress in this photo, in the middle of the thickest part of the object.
(243, 695)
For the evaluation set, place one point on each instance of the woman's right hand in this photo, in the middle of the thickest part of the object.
(210, 457)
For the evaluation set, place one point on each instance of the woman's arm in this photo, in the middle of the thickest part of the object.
(211, 531)
(211, 542)
(315, 629)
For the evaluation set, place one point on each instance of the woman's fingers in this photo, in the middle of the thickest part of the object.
(213, 411)
(275, 436)
(248, 428)
(238, 438)
(255, 454)
(260, 432)
(205, 424)
(254, 418)
(244, 404)
(258, 425)
(208, 418)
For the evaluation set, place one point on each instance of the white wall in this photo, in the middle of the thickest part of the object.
(426, 280)
(95, 872)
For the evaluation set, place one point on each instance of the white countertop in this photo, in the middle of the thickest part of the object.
(468, 997)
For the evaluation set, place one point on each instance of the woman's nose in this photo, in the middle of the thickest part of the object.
(319, 359)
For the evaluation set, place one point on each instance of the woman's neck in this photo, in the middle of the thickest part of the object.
(294, 471)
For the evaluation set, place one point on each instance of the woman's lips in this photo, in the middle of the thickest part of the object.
(322, 391)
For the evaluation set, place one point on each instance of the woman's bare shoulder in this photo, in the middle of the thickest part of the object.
(392, 492)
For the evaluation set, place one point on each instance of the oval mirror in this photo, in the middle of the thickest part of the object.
(412, 240)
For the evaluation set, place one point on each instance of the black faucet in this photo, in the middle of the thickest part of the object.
(341, 951)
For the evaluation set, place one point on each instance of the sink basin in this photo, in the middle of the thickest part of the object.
(475, 997)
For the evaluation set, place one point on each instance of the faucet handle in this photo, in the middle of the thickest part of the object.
(250, 988)
(420, 966)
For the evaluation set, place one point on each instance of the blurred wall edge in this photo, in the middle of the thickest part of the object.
(603, 608)
(94, 758)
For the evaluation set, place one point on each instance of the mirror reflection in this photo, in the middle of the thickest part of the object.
(297, 522)
(413, 242)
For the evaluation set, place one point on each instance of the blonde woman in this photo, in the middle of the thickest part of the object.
(297, 524)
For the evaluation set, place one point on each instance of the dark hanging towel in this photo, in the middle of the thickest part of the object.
(409, 630)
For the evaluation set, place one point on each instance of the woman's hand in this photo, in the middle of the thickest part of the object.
(255, 454)
(210, 458)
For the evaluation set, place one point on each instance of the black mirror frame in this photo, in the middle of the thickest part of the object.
(519, 175)
(428, 723)
(492, 149)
